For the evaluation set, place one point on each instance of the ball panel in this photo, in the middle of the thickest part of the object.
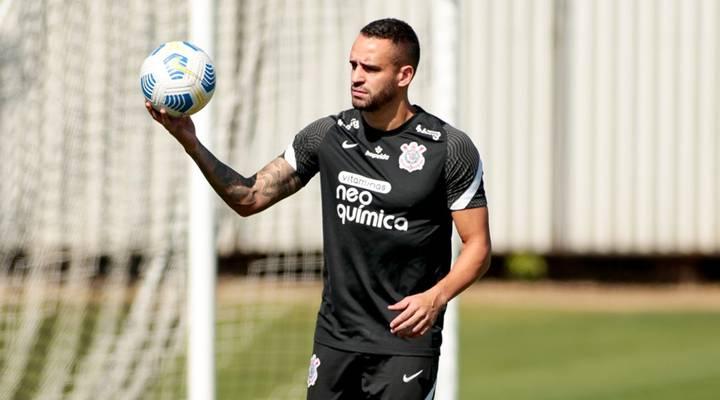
(208, 79)
(147, 83)
(179, 102)
(201, 98)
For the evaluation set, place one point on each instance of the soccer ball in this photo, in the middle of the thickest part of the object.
(179, 77)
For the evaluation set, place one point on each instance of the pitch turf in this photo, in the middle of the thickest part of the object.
(513, 352)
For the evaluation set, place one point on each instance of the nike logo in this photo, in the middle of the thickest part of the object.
(407, 379)
(347, 145)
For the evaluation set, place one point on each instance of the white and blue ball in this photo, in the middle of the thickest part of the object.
(179, 77)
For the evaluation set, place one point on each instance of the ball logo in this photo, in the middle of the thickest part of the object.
(412, 158)
(312, 371)
(176, 65)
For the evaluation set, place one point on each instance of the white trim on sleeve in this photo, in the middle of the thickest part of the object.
(469, 193)
(290, 156)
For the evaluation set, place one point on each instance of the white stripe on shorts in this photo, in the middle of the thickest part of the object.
(432, 392)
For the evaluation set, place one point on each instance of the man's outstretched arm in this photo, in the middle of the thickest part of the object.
(246, 196)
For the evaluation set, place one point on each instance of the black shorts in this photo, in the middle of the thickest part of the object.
(341, 375)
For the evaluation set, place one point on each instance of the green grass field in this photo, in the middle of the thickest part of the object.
(518, 352)
(517, 343)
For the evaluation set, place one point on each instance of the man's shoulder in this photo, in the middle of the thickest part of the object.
(436, 128)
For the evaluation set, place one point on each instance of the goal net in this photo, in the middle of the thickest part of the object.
(93, 195)
(92, 209)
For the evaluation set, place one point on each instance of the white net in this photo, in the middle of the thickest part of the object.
(92, 211)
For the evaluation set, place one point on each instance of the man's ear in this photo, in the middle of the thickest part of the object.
(405, 75)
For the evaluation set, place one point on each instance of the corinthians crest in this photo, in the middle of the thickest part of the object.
(313, 370)
(412, 158)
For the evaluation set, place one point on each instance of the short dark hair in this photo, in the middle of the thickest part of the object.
(401, 34)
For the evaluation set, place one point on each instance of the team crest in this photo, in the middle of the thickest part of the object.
(312, 371)
(412, 158)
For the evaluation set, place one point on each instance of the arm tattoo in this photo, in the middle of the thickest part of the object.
(271, 182)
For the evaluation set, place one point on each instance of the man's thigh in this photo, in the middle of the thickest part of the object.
(399, 377)
(333, 374)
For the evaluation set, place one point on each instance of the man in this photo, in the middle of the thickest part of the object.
(394, 178)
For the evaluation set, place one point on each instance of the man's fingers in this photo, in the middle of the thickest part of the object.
(399, 305)
(153, 112)
(164, 117)
(422, 332)
(401, 318)
(422, 325)
(409, 323)
(415, 320)
(149, 108)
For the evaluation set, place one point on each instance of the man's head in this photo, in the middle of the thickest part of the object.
(384, 59)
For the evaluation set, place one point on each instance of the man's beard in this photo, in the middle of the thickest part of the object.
(375, 102)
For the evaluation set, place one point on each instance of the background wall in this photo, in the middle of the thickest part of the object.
(596, 120)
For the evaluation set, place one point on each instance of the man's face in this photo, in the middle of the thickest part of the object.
(374, 78)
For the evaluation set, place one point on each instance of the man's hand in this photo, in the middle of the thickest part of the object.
(419, 312)
(182, 128)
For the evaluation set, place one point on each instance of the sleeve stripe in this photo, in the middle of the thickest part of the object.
(290, 156)
(468, 195)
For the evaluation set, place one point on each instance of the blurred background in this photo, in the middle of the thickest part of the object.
(597, 122)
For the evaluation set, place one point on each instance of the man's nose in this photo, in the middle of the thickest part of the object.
(357, 77)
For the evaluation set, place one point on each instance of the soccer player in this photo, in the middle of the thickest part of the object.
(394, 178)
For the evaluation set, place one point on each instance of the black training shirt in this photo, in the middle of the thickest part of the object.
(387, 199)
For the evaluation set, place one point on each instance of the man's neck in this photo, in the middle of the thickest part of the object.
(391, 116)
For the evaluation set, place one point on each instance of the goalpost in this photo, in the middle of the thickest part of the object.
(201, 231)
(445, 70)
(99, 295)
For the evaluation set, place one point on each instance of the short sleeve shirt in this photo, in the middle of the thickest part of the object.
(387, 199)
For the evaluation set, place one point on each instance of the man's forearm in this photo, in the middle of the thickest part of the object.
(471, 264)
(418, 312)
(235, 189)
(246, 196)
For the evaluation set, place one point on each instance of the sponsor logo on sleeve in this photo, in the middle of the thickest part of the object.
(434, 134)
(353, 124)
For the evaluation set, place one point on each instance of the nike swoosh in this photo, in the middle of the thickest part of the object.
(347, 145)
(407, 379)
